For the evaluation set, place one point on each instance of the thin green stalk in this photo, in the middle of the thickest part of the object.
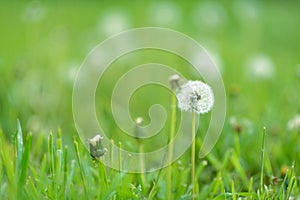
(80, 167)
(237, 144)
(120, 157)
(102, 172)
(66, 170)
(112, 156)
(58, 164)
(59, 139)
(103, 182)
(58, 171)
(235, 161)
(291, 185)
(51, 160)
(51, 154)
(24, 165)
(142, 165)
(193, 154)
(120, 165)
(69, 184)
(138, 132)
(233, 190)
(250, 187)
(19, 150)
(7, 166)
(262, 161)
(171, 148)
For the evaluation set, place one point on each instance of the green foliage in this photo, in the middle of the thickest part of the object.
(58, 176)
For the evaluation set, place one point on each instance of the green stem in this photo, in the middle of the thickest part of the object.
(237, 144)
(103, 179)
(193, 154)
(171, 148)
(120, 157)
(112, 157)
(142, 165)
(80, 168)
(262, 160)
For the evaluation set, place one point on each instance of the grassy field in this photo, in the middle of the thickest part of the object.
(256, 46)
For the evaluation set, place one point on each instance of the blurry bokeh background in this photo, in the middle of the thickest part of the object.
(255, 44)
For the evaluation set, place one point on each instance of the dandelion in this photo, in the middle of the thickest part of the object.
(165, 13)
(174, 84)
(241, 125)
(260, 67)
(138, 128)
(294, 123)
(195, 96)
(139, 121)
(174, 81)
(113, 21)
(210, 15)
(96, 148)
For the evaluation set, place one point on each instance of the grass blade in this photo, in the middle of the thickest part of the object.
(82, 174)
(24, 164)
(262, 161)
(19, 150)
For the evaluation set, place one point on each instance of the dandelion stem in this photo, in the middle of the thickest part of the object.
(193, 154)
(120, 157)
(82, 174)
(142, 165)
(112, 156)
(138, 132)
(103, 175)
(171, 148)
(262, 160)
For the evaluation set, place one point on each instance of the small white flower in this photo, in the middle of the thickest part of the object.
(260, 67)
(113, 21)
(165, 13)
(195, 96)
(294, 123)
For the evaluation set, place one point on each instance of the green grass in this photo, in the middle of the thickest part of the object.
(55, 175)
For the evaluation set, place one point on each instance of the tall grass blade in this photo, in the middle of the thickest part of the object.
(24, 165)
(262, 161)
(82, 174)
(19, 150)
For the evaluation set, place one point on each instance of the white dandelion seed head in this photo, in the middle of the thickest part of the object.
(195, 96)
(260, 67)
(294, 123)
(165, 14)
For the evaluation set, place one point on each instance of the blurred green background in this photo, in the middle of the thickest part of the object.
(255, 44)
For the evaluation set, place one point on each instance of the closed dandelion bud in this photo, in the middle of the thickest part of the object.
(174, 81)
(284, 169)
(96, 148)
(237, 128)
(138, 130)
(195, 96)
(234, 90)
(139, 121)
